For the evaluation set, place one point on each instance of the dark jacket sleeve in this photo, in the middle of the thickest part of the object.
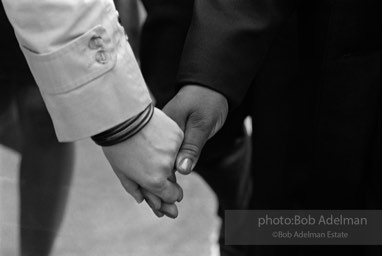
(227, 42)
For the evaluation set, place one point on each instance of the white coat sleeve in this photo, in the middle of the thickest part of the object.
(81, 60)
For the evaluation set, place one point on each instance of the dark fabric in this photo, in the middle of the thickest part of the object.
(228, 42)
(225, 160)
(13, 64)
(162, 39)
(14, 71)
(310, 71)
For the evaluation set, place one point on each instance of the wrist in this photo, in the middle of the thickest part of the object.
(124, 130)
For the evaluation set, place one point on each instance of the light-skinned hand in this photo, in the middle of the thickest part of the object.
(145, 163)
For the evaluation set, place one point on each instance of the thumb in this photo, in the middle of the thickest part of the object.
(195, 136)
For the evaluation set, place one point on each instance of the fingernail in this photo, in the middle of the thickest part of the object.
(185, 165)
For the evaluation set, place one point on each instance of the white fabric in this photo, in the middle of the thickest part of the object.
(81, 61)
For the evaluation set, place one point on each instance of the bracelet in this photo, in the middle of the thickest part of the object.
(125, 130)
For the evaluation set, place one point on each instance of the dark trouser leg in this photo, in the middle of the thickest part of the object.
(313, 151)
(9, 132)
(45, 174)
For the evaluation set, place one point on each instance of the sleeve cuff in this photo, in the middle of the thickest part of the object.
(91, 84)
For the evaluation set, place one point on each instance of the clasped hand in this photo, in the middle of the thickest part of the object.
(172, 141)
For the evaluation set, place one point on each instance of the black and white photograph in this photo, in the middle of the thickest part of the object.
(190, 128)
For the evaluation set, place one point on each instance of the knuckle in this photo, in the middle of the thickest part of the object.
(191, 149)
(167, 164)
(157, 183)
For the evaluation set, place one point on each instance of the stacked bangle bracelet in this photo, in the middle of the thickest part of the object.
(125, 130)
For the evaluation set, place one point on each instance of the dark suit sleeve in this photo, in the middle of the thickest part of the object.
(227, 42)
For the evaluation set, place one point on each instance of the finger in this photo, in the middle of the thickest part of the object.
(195, 137)
(179, 190)
(131, 187)
(169, 192)
(171, 210)
(158, 213)
(172, 178)
(180, 197)
(152, 200)
(159, 208)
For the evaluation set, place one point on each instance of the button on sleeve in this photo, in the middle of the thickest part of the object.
(91, 84)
